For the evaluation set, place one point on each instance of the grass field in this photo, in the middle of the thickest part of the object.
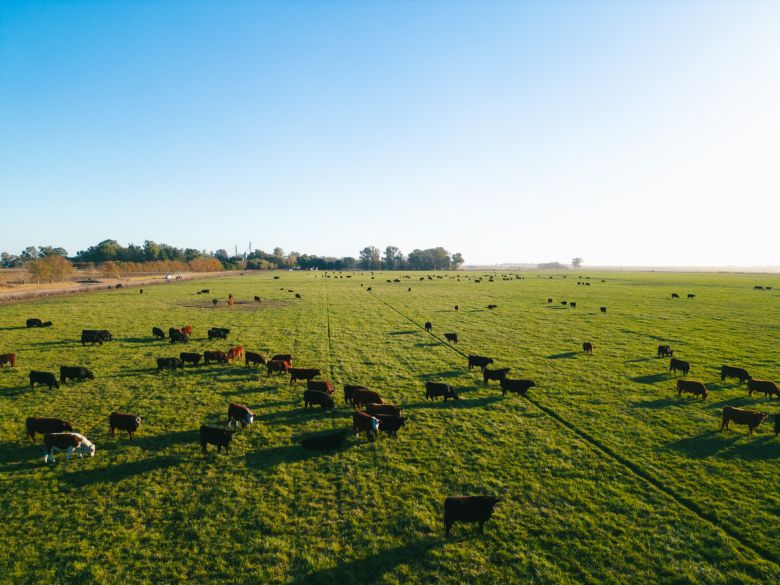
(607, 476)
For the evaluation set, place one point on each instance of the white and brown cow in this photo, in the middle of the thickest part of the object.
(70, 442)
(238, 413)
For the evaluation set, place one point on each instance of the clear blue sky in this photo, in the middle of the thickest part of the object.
(621, 132)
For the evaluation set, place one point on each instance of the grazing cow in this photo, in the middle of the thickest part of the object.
(303, 374)
(320, 386)
(767, 387)
(603, 309)
(675, 296)
(169, 363)
(428, 326)
(564, 303)
(210, 435)
(252, 359)
(8, 358)
(94, 336)
(729, 372)
(742, 416)
(573, 305)
(322, 399)
(187, 357)
(757, 287)
(284, 357)
(488, 374)
(587, 347)
(390, 423)
(324, 442)
(375, 409)
(204, 291)
(361, 397)
(187, 330)
(675, 364)
(468, 509)
(258, 299)
(214, 356)
(158, 333)
(176, 335)
(777, 424)
(491, 307)
(124, 422)
(434, 389)
(691, 296)
(141, 291)
(70, 442)
(214, 302)
(665, 351)
(695, 387)
(451, 337)
(348, 391)
(43, 378)
(456, 307)
(365, 422)
(75, 373)
(549, 301)
(43, 425)
(235, 353)
(34, 323)
(239, 414)
(517, 386)
(297, 296)
(480, 361)
(217, 333)
(280, 366)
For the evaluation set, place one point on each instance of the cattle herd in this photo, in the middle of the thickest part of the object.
(371, 413)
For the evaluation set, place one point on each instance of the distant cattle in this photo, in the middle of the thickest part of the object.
(235, 353)
(491, 307)
(169, 363)
(158, 333)
(375, 409)
(675, 365)
(675, 296)
(488, 374)
(239, 414)
(451, 337)
(215, 356)
(204, 291)
(124, 422)
(468, 509)
(188, 357)
(362, 422)
(324, 442)
(34, 323)
(691, 296)
(434, 389)
(369, 289)
(298, 295)
(43, 425)
(94, 336)
(187, 330)
(70, 442)
(480, 361)
(587, 347)
(603, 309)
(214, 302)
(456, 307)
(210, 435)
(252, 359)
(665, 351)
(349, 390)
(767, 387)
(695, 387)
(257, 299)
(320, 386)
(316, 397)
(75, 373)
(176, 335)
(564, 303)
(517, 386)
(280, 366)
(428, 325)
(549, 301)
(217, 333)
(43, 378)
(8, 358)
(573, 305)
(730, 372)
(742, 416)
(757, 287)
(303, 374)
(390, 423)
(362, 396)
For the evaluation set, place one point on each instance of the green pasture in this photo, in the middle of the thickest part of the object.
(607, 477)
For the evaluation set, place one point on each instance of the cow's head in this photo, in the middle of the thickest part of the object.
(87, 447)
(89, 374)
(248, 418)
(763, 416)
(452, 394)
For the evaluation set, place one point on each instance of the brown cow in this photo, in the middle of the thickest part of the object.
(303, 374)
(349, 389)
(280, 366)
(695, 387)
(70, 442)
(376, 409)
(283, 356)
(124, 422)
(43, 425)
(587, 347)
(320, 386)
(765, 386)
(8, 358)
(238, 413)
(252, 359)
(235, 353)
(187, 330)
(365, 422)
(214, 356)
(361, 397)
(742, 416)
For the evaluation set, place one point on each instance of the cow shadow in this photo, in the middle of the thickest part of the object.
(251, 390)
(705, 445)
(157, 442)
(145, 340)
(372, 568)
(297, 415)
(406, 332)
(650, 378)
(756, 448)
(659, 403)
(564, 355)
(61, 343)
(17, 391)
(446, 374)
(432, 344)
(273, 456)
(119, 472)
(644, 359)
(739, 402)
(15, 327)
(462, 403)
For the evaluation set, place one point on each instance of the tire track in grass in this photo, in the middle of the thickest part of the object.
(636, 470)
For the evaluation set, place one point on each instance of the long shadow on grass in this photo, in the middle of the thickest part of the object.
(432, 344)
(446, 374)
(62, 343)
(660, 403)
(409, 332)
(118, 472)
(758, 448)
(13, 328)
(705, 445)
(650, 378)
(462, 403)
(274, 456)
(371, 569)
(16, 391)
(156, 442)
(564, 355)
(644, 359)
(252, 390)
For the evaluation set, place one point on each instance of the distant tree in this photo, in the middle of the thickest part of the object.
(203, 264)
(369, 258)
(29, 253)
(10, 260)
(457, 260)
(576, 262)
(392, 259)
(52, 268)
(348, 262)
(45, 251)
(221, 255)
(551, 266)
(292, 258)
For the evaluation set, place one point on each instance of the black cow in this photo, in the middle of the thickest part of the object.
(729, 372)
(665, 351)
(768, 387)
(124, 422)
(349, 389)
(451, 337)
(34, 323)
(252, 358)
(434, 389)
(158, 333)
(468, 509)
(675, 296)
(218, 333)
(777, 424)
(603, 309)
(210, 435)
(94, 336)
(390, 423)
(43, 425)
(43, 378)
(312, 397)
(573, 305)
(428, 325)
(375, 409)
(691, 296)
(517, 386)
(491, 307)
(75, 373)
(177, 335)
(695, 387)
(488, 374)
(170, 363)
(675, 365)
(480, 361)
(215, 356)
(324, 442)
(549, 301)
(188, 357)
(303, 374)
